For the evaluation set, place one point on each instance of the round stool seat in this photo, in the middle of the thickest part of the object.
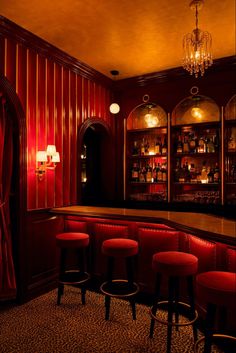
(175, 263)
(120, 247)
(72, 240)
(217, 287)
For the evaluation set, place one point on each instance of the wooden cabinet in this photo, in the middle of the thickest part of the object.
(188, 157)
(196, 152)
(230, 152)
(147, 154)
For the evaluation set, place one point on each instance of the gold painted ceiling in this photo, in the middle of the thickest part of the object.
(132, 36)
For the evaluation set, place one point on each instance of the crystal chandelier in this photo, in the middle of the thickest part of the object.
(197, 46)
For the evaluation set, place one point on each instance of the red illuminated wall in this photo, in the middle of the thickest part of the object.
(57, 94)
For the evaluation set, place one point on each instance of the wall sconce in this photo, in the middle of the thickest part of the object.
(46, 160)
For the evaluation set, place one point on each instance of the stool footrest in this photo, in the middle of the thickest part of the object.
(219, 335)
(119, 288)
(74, 277)
(166, 322)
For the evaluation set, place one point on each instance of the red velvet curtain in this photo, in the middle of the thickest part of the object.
(7, 273)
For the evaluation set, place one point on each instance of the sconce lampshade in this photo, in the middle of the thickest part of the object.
(56, 158)
(51, 150)
(41, 156)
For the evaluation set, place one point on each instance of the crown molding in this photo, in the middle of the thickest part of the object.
(20, 35)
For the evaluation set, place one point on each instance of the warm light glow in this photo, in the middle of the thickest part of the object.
(56, 158)
(197, 47)
(151, 120)
(114, 108)
(41, 156)
(51, 150)
(197, 112)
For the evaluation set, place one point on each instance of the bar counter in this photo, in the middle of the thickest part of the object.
(218, 227)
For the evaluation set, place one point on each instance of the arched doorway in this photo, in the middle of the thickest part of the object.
(13, 188)
(96, 163)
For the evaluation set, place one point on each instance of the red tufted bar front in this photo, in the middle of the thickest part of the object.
(152, 238)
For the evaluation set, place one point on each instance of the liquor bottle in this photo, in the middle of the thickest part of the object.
(216, 174)
(186, 145)
(176, 172)
(210, 176)
(216, 140)
(164, 146)
(179, 145)
(233, 173)
(146, 148)
(154, 173)
(182, 175)
(157, 149)
(201, 145)
(210, 147)
(232, 144)
(135, 172)
(164, 172)
(192, 143)
(192, 170)
(142, 175)
(135, 151)
(148, 174)
(142, 149)
(204, 178)
(159, 173)
(186, 172)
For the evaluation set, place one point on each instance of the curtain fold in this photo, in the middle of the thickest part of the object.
(7, 272)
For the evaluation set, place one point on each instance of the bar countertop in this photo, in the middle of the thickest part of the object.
(204, 222)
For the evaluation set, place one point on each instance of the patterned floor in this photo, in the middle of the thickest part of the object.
(41, 326)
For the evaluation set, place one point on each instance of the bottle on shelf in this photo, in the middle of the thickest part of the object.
(135, 151)
(216, 173)
(179, 145)
(154, 173)
(142, 175)
(204, 178)
(164, 172)
(201, 145)
(233, 174)
(157, 148)
(142, 148)
(148, 174)
(164, 146)
(146, 148)
(210, 147)
(193, 176)
(192, 143)
(159, 173)
(232, 143)
(186, 145)
(210, 175)
(135, 172)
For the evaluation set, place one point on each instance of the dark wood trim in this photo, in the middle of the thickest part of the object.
(221, 64)
(214, 237)
(30, 40)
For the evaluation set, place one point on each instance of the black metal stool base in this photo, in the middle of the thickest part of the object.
(119, 288)
(166, 322)
(202, 339)
(73, 277)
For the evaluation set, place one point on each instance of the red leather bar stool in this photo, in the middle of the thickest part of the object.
(75, 276)
(175, 266)
(218, 290)
(118, 249)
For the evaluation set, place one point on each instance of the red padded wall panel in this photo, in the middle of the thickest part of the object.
(41, 137)
(32, 182)
(66, 133)
(59, 133)
(73, 138)
(10, 64)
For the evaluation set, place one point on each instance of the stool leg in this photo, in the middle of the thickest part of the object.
(83, 294)
(192, 305)
(110, 268)
(81, 258)
(130, 276)
(61, 272)
(107, 307)
(170, 312)
(209, 324)
(154, 308)
(176, 287)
